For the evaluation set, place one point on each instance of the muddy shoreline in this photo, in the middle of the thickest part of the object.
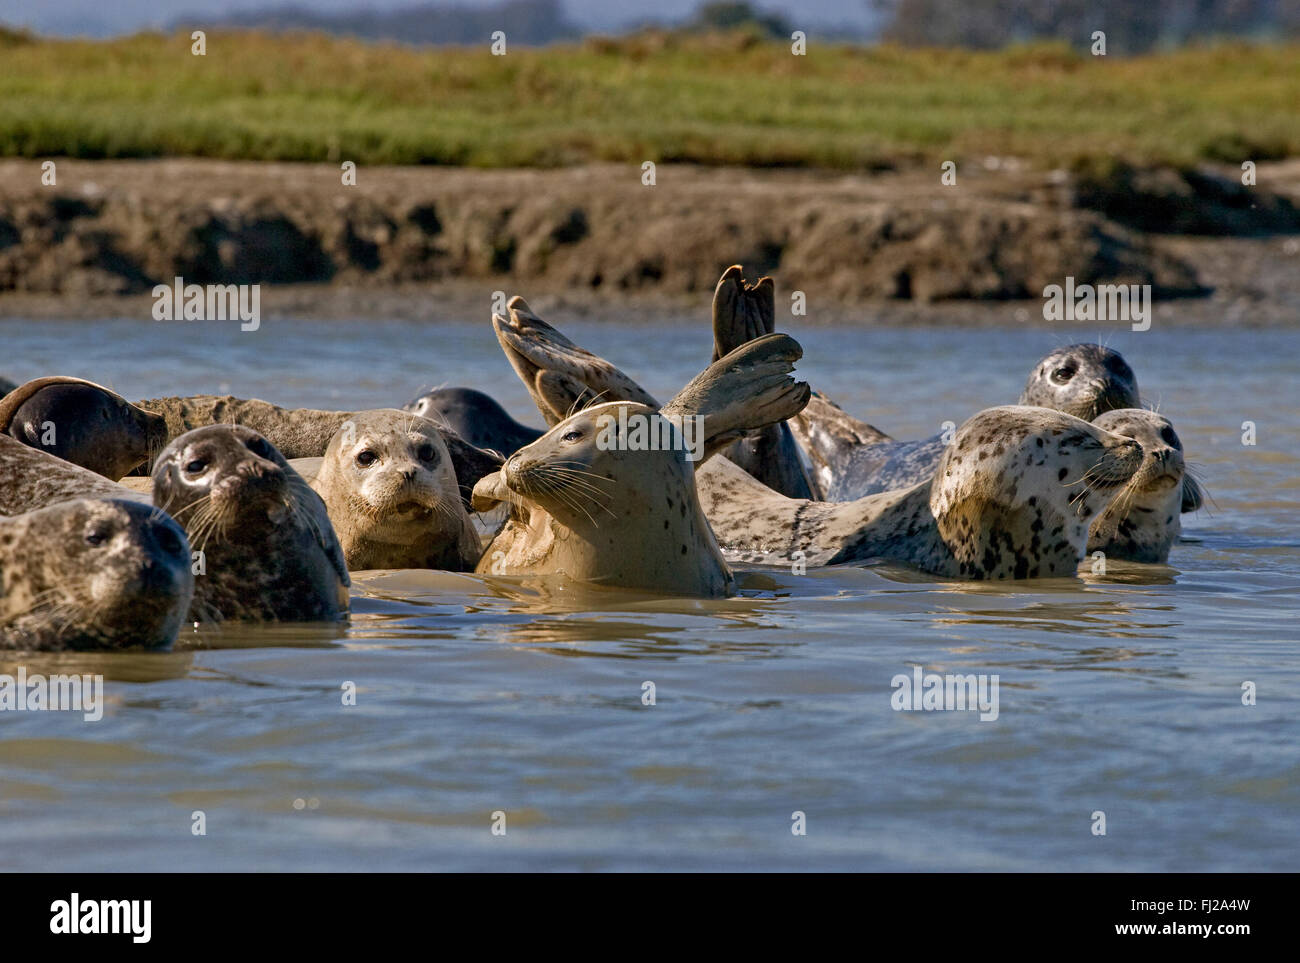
(434, 243)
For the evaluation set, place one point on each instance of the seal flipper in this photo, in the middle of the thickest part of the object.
(748, 389)
(534, 349)
(743, 312)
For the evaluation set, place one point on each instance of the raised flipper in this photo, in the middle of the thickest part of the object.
(560, 376)
(748, 389)
(743, 312)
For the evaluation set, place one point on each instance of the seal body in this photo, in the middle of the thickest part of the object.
(83, 423)
(389, 484)
(266, 549)
(476, 417)
(851, 458)
(597, 507)
(1012, 497)
(1145, 520)
(31, 478)
(92, 574)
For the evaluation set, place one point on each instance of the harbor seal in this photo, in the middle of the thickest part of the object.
(92, 574)
(302, 432)
(476, 417)
(83, 423)
(1143, 522)
(1012, 497)
(851, 458)
(389, 485)
(32, 478)
(591, 501)
(268, 550)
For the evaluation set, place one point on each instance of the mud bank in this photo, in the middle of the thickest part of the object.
(110, 228)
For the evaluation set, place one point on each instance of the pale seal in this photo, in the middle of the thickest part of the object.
(851, 458)
(268, 551)
(92, 574)
(302, 432)
(1144, 521)
(591, 502)
(1012, 497)
(83, 423)
(389, 484)
(476, 417)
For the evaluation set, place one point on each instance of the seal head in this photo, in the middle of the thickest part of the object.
(1083, 380)
(475, 416)
(83, 423)
(265, 546)
(92, 574)
(390, 486)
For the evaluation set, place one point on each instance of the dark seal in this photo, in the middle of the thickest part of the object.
(476, 417)
(92, 574)
(265, 549)
(83, 423)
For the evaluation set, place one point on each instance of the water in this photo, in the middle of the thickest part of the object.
(1120, 694)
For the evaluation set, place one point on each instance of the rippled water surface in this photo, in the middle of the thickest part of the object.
(1120, 694)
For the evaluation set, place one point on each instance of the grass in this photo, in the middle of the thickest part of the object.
(710, 99)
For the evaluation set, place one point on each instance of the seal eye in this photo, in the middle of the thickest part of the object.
(196, 467)
(1168, 437)
(573, 435)
(96, 536)
(259, 447)
(427, 453)
(366, 458)
(1063, 374)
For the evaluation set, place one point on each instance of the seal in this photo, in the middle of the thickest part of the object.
(84, 423)
(476, 417)
(32, 478)
(92, 574)
(591, 501)
(1143, 523)
(388, 482)
(1012, 498)
(266, 548)
(851, 458)
(302, 432)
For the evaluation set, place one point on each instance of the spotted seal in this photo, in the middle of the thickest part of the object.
(268, 551)
(1012, 497)
(590, 501)
(1144, 520)
(389, 484)
(302, 432)
(476, 417)
(83, 423)
(851, 458)
(92, 574)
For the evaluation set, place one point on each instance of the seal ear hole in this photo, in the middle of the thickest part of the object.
(366, 458)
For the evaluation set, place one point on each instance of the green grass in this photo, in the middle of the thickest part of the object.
(714, 99)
